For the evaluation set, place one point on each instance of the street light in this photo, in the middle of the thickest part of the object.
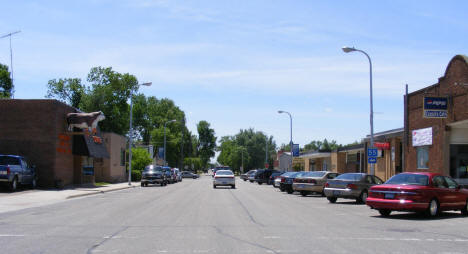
(170, 121)
(11, 60)
(347, 50)
(131, 135)
(290, 142)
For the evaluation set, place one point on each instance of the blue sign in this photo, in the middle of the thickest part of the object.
(161, 152)
(435, 114)
(435, 103)
(372, 160)
(296, 150)
(372, 152)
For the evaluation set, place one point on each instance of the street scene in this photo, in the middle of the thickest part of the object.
(233, 127)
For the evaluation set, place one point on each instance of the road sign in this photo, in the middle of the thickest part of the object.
(372, 160)
(372, 152)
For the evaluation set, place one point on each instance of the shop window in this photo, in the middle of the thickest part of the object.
(122, 157)
(459, 161)
(422, 157)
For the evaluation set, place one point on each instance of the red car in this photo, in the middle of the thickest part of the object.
(418, 192)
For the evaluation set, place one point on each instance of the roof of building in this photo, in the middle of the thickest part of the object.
(387, 134)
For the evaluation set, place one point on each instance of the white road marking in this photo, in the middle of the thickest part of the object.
(12, 235)
(271, 237)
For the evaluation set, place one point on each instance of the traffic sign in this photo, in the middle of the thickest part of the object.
(372, 160)
(372, 152)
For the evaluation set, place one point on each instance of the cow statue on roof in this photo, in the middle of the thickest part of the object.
(84, 120)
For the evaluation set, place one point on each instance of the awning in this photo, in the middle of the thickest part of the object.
(89, 145)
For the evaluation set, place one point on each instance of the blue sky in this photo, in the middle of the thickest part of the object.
(236, 63)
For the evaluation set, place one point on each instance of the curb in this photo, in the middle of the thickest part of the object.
(99, 192)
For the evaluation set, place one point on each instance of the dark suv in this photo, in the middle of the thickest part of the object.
(153, 174)
(263, 175)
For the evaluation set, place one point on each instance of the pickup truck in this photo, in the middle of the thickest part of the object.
(16, 170)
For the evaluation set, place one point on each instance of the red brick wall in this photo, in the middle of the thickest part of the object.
(457, 72)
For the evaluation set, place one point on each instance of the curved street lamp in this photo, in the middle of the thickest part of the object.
(351, 49)
(131, 134)
(290, 142)
(170, 121)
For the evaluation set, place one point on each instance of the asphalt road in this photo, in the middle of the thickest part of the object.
(192, 217)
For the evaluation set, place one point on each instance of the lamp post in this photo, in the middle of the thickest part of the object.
(11, 60)
(290, 142)
(170, 121)
(131, 135)
(351, 49)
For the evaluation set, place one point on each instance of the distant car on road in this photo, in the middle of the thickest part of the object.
(418, 192)
(245, 176)
(170, 177)
(273, 177)
(224, 178)
(263, 175)
(154, 175)
(287, 180)
(219, 168)
(312, 182)
(187, 174)
(16, 170)
(351, 186)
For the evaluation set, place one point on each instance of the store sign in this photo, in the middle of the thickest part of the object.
(422, 137)
(382, 145)
(435, 107)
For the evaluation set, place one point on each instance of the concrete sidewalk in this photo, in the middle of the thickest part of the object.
(35, 198)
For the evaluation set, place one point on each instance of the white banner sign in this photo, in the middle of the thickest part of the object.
(422, 137)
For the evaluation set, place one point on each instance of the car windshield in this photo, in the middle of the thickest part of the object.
(152, 168)
(350, 176)
(314, 174)
(409, 179)
(224, 172)
(7, 160)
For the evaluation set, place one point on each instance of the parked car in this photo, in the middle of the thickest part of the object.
(177, 174)
(277, 181)
(154, 175)
(245, 176)
(350, 186)
(287, 181)
(187, 174)
(263, 175)
(312, 182)
(16, 170)
(418, 192)
(224, 178)
(273, 176)
(170, 178)
(251, 176)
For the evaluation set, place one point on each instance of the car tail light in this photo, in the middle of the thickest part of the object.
(312, 181)
(351, 186)
(283, 179)
(296, 180)
(326, 185)
(8, 170)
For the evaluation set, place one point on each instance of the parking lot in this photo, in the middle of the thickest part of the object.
(192, 217)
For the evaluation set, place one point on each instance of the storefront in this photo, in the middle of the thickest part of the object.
(348, 159)
(38, 130)
(313, 161)
(436, 124)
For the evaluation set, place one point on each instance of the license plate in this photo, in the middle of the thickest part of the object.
(389, 195)
(301, 186)
(336, 192)
(224, 182)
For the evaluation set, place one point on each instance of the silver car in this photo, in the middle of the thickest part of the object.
(350, 186)
(312, 182)
(224, 178)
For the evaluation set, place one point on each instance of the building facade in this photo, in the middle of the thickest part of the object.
(436, 124)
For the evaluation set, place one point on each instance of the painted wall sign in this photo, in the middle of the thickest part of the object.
(422, 137)
(435, 107)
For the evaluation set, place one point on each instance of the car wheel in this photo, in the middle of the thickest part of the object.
(385, 212)
(290, 191)
(433, 208)
(162, 183)
(332, 199)
(251, 181)
(142, 184)
(14, 184)
(282, 189)
(362, 198)
(245, 180)
(464, 210)
(323, 192)
(233, 186)
(260, 183)
(303, 193)
(214, 186)
(34, 183)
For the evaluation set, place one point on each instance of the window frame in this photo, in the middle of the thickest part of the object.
(422, 149)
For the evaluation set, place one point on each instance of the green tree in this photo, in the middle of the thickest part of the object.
(6, 85)
(140, 159)
(69, 90)
(207, 142)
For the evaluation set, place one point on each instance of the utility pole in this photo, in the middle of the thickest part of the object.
(11, 60)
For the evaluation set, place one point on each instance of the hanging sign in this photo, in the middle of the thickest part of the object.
(435, 107)
(382, 145)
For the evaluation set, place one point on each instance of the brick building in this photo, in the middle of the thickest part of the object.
(37, 129)
(436, 124)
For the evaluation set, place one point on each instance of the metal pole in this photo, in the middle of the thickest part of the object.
(165, 144)
(266, 150)
(291, 141)
(11, 61)
(130, 141)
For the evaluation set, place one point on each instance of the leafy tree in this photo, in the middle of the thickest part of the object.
(6, 85)
(69, 90)
(140, 159)
(194, 163)
(207, 142)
